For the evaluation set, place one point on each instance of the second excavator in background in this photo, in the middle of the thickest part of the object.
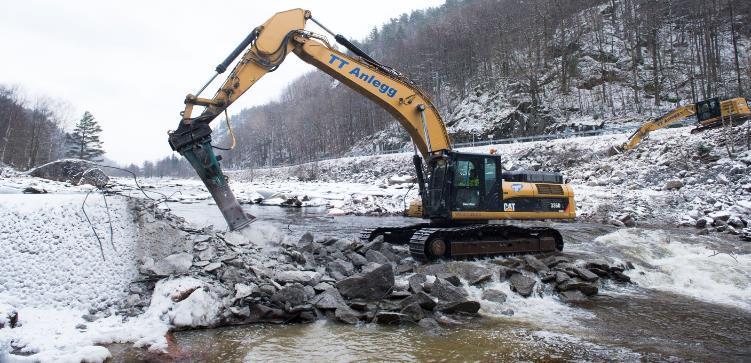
(463, 195)
(710, 113)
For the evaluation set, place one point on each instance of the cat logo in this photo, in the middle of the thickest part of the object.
(509, 207)
(516, 187)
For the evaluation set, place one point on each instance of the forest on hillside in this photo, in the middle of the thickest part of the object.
(547, 61)
(31, 131)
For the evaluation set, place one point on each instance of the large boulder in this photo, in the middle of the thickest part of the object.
(447, 292)
(294, 294)
(73, 171)
(373, 285)
(471, 272)
(329, 300)
(523, 285)
(420, 298)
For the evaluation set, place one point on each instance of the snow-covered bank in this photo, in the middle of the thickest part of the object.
(672, 178)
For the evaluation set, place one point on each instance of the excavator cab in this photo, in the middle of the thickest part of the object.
(708, 109)
(470, 186)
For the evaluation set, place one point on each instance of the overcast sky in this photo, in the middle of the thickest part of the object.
(131, 63)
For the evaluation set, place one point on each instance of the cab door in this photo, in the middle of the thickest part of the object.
(466, 182)
(491, 184)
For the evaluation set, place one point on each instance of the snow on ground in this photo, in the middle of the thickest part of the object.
(65, 293)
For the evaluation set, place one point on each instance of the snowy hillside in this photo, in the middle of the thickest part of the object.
(673, 177)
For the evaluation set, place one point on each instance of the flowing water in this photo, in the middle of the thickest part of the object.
(691, 301)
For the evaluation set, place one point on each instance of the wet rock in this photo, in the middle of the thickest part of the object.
(585, 274)
(535, 264)
(293, 276)
(356, 259)
(628, 220)
(504, 273)
(264, 314)
(429, 324)
(453, 279)
(523, 285)
(388, 317)
(445, 320)
(466, 306)
(375, 256)
(508, 312)
(420, 298)
(329, 299)
(340, 269)
(212, 267)
(620, 276)
(78, 326)
(293, 294)
(466, 270)
(547, 276)
(446, 292)
(373, 285)
(345, 314)
(416, 281)
(413, 312)
(701, 223)
(201, 246)
(175, 264)
(495, 296)
(552, 261)
(572, 296)
(574, 284)
(598, 272)
(74, 171)
(599, 264)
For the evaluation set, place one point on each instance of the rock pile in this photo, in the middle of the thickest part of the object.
(351, 281)
(74, 171)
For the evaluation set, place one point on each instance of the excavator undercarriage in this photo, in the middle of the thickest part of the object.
(430, 241)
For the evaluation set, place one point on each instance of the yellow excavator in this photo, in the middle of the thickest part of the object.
(462, 194)
(709, 113)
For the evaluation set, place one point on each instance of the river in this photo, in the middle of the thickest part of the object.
(691, 301)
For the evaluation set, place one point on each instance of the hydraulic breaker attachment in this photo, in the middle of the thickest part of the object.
(195, 145)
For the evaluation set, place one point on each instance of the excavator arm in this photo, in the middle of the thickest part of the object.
(268, 45)
(680, 113)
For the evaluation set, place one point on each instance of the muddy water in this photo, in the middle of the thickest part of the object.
(667, 316)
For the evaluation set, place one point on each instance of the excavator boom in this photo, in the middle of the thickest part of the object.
(460, 192)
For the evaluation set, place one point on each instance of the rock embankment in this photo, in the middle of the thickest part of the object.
(276, 280)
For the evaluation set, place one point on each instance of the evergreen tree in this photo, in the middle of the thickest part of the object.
(83, 142)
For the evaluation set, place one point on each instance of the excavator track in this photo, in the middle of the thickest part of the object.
(429, 242)
(394, 235)
(480, 240)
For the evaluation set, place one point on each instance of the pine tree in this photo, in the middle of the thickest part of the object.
(83, 142)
